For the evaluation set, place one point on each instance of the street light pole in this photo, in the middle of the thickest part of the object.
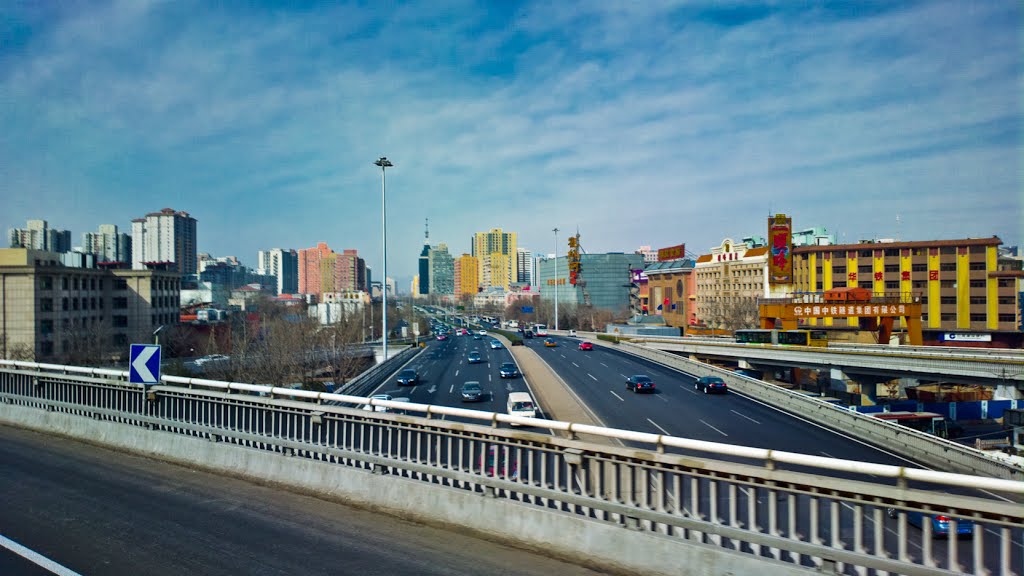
(556, 278)
(384, 164)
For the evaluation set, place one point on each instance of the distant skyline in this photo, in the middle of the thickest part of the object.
(647, 123)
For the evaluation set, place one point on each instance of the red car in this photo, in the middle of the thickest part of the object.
(586, 346)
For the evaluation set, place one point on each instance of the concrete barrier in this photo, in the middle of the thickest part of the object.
(608, 547)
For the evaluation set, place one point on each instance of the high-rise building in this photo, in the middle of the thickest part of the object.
(524, 266)
(108, 244)
(607, 280)
(466, 274)
(649, 254)
(281, 264)
(37, 235)
(496, 252)
(165, 237)
(441, 269)
(322, 270)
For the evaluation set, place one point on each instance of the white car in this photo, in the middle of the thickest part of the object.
(482, 332)
(372, 408)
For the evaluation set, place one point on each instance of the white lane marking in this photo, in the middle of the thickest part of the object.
(489, 378)
(575, 364)
(688, 389)
(713, 428)
(563, 355)
(452, 389)
(623, 375)
(605, 365)
(456, 372)
(661, 397)
(616, 395)
(752, 420)
(36, 558)
(592, 377)
(655, 424)
(413, 391)
(827, 455)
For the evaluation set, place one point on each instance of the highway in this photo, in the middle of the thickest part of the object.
(97, 512)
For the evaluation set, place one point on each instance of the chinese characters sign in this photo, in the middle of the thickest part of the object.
(849, 310)
(671, 253)
(574, 258)
(780, 245)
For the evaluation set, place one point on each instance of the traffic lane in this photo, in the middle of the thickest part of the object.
(100, 512)
(677, 409)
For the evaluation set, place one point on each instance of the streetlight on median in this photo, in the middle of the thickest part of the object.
(384, 164)
(556, 277)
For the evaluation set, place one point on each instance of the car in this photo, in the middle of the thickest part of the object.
(508, 370)
(572, 333)
(497, 463)
(528, 334)
(474, 357)
(941, 524)
(408, 377)
(483, 332)
(442, 337)
(477, 337)
(550, 342)
(710, 384)
(586, 346)
(472, 392)
(640, 383)
(372, 408)
(495, 345)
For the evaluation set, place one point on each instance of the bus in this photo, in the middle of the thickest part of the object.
(928, 422)
(540, 330)
(816, 338)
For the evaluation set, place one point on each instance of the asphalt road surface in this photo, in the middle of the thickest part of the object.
(97, 511)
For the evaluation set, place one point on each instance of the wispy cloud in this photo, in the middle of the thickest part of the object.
(640, 123)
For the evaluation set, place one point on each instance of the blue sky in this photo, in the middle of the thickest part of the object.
(637, 122)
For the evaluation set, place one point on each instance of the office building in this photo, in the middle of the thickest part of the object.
(604, 280)
(729, 282)
(524, 267)
(441, 269)
(322, 270)
(467, 271)
(50, 312)
(670, 291)
(108, 244)
(496, 253)
(165, 238)
(283, 265)
(649, 254)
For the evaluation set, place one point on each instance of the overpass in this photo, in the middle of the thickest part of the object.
(658, 504)
(993, 367)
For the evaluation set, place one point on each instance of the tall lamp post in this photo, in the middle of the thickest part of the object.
(384, 164)
(556, 277)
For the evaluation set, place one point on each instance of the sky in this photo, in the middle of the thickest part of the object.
(635, 123)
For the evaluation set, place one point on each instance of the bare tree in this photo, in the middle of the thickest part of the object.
(91, 344)
(730, 313)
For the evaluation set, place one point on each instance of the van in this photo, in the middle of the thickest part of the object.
(521, 404)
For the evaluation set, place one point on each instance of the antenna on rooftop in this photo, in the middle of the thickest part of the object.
(426, 230)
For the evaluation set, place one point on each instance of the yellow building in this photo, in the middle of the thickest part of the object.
(961, 284)
(495, 251)
(467, 273)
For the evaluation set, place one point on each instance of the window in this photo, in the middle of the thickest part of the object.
(948, 267)
(892, 267)
(947, 283)
(947, 250)
(892, 252)
(917, 284)
(977, 266)
(64, 283)
(1006, 282)
(977, 283)
(839, 269)
(918, 267)
(977, 317)
(93, 284)
(1007, 318)
(119, 303)
(864, 269)
(46, 282)
(1007, 300)
(74, 303)
(948, 300)
(948, 317)
(46, 304)
(864, 254)
(120, 284)
(892, 285)
(46, 326)
(119, 321)
(46, 348)
(978, 299)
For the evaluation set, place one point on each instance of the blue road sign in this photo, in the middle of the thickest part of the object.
(144, 364)
(527, 309)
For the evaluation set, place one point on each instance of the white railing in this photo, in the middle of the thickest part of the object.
(809, 511)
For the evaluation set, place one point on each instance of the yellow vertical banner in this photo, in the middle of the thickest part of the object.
(878, 272)
(906, 271)
(963, 287)
(851, 280)
(812, 279)
(826, 279)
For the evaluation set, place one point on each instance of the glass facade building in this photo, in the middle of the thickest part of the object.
(605, 278)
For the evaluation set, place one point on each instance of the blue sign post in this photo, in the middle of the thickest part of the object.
(144, 364)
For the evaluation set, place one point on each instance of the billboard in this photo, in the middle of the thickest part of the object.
(780, 246)
(671, 253)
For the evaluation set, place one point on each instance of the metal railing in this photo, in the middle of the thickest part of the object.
(806, 511)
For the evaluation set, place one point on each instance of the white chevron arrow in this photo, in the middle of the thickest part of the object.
(140, 364)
